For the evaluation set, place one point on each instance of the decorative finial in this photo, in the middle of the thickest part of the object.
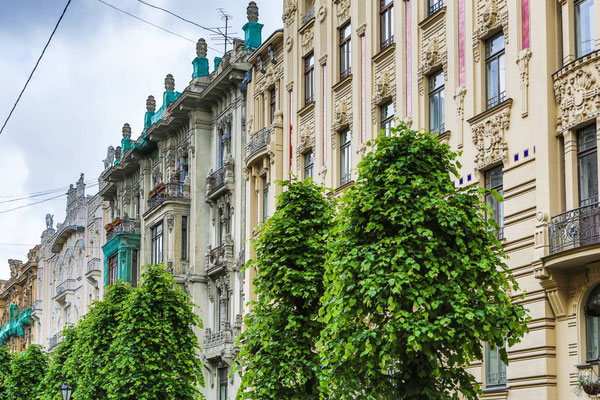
(169, 83)
(150, 103)
(118, 153)
(252, 12)
(126, 131)
(201, 48)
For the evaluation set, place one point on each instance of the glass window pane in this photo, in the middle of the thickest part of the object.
(492, 79)
(584, 27)
(433, 112)
(494, 45)
(501, 75)
(588, 179)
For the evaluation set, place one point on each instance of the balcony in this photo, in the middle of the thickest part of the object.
(65, 288)
(220, 258)
(218, 345)
(166, 191)
(94, 270)
(575, 228)
(257, 143)
(125, 225)
(54, 340)
(220, 181)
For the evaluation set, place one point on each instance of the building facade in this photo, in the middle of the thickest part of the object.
(517, 95)
(176, 196)
(69, 272)
(17, 296)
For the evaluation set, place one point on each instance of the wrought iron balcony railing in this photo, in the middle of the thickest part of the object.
(435, 5)
(54, 340)
(127, 225)
(216, 180)
(257, 142)
(438, 130)
(172, 190)
(93, 265)
(69, 284)
(575, 228)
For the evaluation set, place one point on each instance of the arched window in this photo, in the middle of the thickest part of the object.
(592, 325)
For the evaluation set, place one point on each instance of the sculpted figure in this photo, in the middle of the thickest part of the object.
(49, 221)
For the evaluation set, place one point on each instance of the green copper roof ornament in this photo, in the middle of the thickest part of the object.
(150, 110)
(252, 29)
(217, 62)
(200, 63)
(126, 141)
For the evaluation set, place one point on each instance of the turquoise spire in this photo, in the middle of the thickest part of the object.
(200, 63)
(252, 29)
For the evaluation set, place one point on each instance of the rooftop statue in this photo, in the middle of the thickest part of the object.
(252, 12)
(49, 221)
(201, 48)
(110, 157)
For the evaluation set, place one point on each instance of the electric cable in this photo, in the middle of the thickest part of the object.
(36, 65)
(215, 31)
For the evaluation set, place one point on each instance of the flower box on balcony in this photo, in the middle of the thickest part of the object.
(157, 190)
(113, 224)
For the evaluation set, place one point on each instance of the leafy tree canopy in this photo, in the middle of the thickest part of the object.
(27, 370)
(415, 281)
(279, 357)
(5, 358)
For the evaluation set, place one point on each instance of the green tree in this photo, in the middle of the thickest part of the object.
(27, 369)
(416, 281)
(279, 357)
(58, 372)
(5, 357)
(155, 352)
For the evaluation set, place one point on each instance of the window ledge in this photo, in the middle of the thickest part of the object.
(587, 365)
(306, 108)
(384, 53)
(344, 186)
(432, 18)
(490, 111)
(342, 82)
(495, 389)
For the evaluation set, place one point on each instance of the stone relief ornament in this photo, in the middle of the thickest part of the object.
(322, 13)
(577, 92)
(252, 12)
(110, 157)
(523, 62)
(488, 138)
(459, 98)
(289, 43)
(490, 15)
(49, 221)
(384, 90)
(289, 11)
(342, 10)
(307, 40)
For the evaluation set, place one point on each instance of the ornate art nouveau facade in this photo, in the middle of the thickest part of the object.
(17, 296)
(518, 95)
(69, 272)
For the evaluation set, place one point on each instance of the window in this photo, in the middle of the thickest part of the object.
(434, 5)
(112, 264)
(345, 51)
(309, 77)
(272, 104)
(592, 326)
(386, 112)
(587, 160)
(495, 71)
(157, 244)
(134, 268)
(436, 103)
(220, 227)
(223, 383)
(184, 237)
(386, 17)
(265, 198)
(495, 368)
(223, 310)
(220, 148)
(309, 162)
(345, 141)
(584, 27)
(494, 181)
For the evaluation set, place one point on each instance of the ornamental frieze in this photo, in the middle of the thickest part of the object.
(289, 11)
(342, 10)
(489, 136)
(342, 118)
(307, 40)
(384, 90)
(491, 15)
(306, 142)
(434, 55)
(577, 92)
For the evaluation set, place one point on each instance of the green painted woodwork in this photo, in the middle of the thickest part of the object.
(16, 323)
(253, 35)
(123, 245)
(200, 67)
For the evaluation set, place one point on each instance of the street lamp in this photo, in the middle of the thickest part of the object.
(66, 391)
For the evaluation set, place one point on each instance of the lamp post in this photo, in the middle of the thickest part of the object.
(66, 391)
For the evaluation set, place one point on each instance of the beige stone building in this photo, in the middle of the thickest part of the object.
(513, 84)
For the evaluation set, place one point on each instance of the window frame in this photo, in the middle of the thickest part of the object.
(112, 266)
(490, 199)
(345, 157)
(135, 267)
(265, 198)
(345, 50)
(272, 104)
(386, 24)
(489, 58)
(157, 244)
(437, 91)
(184, 237)
(582, 154)
(309, 78)
(501, 367)
(222, 377)
(387, 123)
(576, 24)
(309, 163)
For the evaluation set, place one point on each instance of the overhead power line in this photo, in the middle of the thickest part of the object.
(32, 204)
(36, 65)
(48, 191)
(30, 196)
(216, 31)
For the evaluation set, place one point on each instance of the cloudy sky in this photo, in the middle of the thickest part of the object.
(95, 76)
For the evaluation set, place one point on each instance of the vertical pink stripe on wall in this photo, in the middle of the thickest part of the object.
(461, 43)
(363, 74)
(324, 124)
(291, 109)
(525, 24)
(408, 59)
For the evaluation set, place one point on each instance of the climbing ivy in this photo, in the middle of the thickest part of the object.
(155, 352)
(415, 280)
(27, 370)
(278, 355)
